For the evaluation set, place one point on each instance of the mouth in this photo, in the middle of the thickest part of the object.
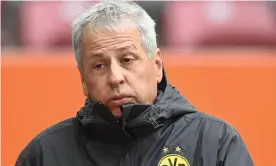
(119, 100)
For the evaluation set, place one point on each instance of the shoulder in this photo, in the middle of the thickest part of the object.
(209, 131)
(60, 128)
(213, 134)
(216, 122)
(210, 126)
(221, 135)
(51, 135)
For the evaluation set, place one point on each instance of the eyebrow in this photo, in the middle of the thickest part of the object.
(94, 55)
(128, 47)
(119, 49)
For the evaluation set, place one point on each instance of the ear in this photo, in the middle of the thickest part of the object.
(159, 65)
(83, 82)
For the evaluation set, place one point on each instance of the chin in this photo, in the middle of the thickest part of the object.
(116, 112)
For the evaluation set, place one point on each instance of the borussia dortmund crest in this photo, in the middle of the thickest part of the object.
(174, 159)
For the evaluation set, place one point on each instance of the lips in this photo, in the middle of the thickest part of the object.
(119, 100)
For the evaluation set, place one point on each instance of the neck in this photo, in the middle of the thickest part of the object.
(133, 124)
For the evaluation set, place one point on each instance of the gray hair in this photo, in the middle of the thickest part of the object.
(109, 14)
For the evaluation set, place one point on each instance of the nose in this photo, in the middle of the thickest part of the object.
(116, 76)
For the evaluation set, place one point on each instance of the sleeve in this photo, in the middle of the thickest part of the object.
(21, 161)
(233, 152)
(31, 155)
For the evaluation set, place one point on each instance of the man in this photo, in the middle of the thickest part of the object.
(132, 116)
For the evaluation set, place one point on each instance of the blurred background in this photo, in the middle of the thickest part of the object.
(179, 24)
(220, 54)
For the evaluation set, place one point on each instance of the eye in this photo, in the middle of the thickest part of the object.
(127, 60)
(99, 66)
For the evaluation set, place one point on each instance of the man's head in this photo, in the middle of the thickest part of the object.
(116, 51)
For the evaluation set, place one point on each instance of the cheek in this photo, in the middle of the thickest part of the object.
(97, 88)
(143, 83)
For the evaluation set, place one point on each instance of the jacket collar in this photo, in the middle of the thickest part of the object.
(137, 121)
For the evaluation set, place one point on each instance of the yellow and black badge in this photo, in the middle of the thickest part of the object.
(173, 159)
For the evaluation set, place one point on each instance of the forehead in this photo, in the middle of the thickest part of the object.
(128, 35)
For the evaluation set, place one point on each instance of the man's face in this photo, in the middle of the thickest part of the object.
(117, 69)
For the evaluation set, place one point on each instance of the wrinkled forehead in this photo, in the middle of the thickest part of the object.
(127, 33)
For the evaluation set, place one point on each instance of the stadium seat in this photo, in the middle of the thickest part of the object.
(219, 23)
(48, 23)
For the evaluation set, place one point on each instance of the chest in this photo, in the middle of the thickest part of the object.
(172, 147)
(158, 149)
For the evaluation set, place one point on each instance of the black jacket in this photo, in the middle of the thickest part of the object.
(168, 133)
